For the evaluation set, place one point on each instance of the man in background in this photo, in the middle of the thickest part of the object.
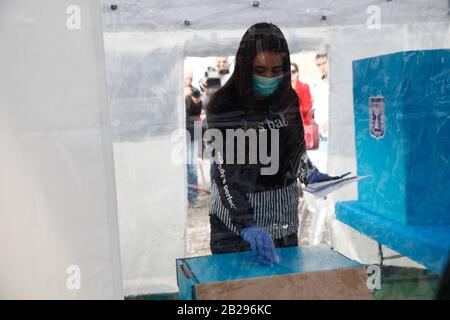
(214, 78)
(320, 94)
(223, 66)
(319, 225)
(193, 102)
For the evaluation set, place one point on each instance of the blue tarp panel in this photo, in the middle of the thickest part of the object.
(402, 130)
(402, 124)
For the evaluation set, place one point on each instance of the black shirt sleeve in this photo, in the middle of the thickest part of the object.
(301, 163)
(306, 168)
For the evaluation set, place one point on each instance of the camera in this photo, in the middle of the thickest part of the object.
(213, 78)
(195, 93)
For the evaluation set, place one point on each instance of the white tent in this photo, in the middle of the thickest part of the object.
(91, 93)
(58, 227)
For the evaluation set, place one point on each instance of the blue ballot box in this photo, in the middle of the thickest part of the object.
(402, 131)
(303, 273)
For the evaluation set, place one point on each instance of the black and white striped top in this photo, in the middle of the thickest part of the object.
(241, 195)
(275, 211)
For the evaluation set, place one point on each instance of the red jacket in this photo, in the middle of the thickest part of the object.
(305, 102)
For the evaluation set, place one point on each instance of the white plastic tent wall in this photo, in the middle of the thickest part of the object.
(58, 217)
(57, 186)
(145, 74)
(148, 41)
(149, 148)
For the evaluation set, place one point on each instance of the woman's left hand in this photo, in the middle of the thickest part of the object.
(317, 176)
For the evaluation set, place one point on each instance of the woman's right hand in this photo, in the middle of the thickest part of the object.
(261, 244)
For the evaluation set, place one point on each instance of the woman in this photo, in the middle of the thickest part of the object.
(304, 95)
(251, 210)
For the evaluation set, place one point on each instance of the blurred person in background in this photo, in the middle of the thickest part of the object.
(193, 102)
(304, 94)
(215, 77)
(320, 95)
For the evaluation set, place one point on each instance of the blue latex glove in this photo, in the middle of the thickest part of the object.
(317, 176)
(261, 244)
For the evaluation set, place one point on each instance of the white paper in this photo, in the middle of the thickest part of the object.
(322, 189)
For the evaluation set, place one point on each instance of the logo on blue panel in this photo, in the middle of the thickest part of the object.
(377, 117)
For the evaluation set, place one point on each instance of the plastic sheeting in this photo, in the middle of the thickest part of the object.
(140, 33)
(146, 69)
(213, 15)
(402, 100)
(58, 217)
(60, 159)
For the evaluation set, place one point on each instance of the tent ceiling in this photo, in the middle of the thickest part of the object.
(145, 15)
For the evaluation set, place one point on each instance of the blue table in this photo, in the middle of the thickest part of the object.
(427, 245)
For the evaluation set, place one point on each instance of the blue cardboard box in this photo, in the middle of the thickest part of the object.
(303, 273)
(402, 130)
